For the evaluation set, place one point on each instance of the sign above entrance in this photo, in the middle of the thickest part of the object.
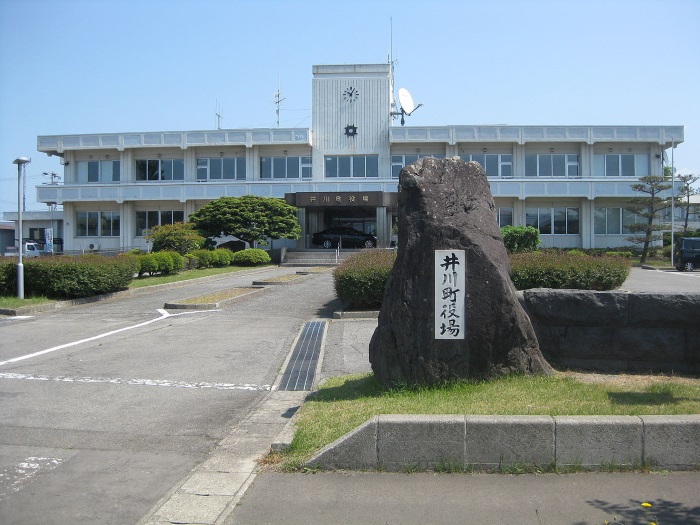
(336, 199)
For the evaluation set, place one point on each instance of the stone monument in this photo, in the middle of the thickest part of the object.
(481, 331)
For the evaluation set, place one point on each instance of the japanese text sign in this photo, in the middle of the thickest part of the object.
(450, 293)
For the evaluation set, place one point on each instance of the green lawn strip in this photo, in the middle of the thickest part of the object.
(185, 275)
(343, 403)
(12, 303)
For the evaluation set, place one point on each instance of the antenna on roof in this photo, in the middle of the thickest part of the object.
(218, 114)
(278, 102)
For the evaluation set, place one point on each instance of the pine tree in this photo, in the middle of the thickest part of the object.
(649, 207)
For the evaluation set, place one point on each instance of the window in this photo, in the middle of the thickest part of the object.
(505, 217)
(398, 162)
(627, 165)
(614, 221)
(366, 166)
(97, 224)
(285, 168)
(160, 170)
(559, 221)
(221, 168)
(104, 171)
(554, 165)
(148, 219)
(494, 165)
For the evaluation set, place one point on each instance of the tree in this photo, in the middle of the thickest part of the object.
(250, 218)
(178, 237)
(685, 191)
(648, 207)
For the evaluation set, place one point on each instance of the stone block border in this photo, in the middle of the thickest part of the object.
(428, 442)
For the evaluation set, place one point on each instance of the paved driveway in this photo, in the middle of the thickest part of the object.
(106, 406)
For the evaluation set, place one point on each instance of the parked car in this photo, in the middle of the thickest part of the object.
(688, 254)
(31, 249)
(345, 237)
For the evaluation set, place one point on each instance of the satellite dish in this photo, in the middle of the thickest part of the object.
(406, 103)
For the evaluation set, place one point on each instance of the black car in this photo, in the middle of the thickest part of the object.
(345, 237)
(688, 254)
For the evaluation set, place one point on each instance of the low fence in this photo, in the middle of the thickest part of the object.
(616, 331)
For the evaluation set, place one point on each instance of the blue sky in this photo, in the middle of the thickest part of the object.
(105, 66)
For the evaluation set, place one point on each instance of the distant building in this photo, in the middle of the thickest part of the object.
(570, 182)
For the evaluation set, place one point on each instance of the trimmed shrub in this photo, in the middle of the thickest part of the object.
(251, 257)
(165, 262)
(221, 257)
(204, 258)
(519, 239)
(8, 275)
(178, 261)
(148, 263)
(360, 280)
(177, 237)
(75, 277)
(563, 270)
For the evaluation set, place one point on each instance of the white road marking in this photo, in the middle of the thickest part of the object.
(142, 382)
(13, 479)
(164, 314)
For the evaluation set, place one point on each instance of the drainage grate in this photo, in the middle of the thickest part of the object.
(299, 374)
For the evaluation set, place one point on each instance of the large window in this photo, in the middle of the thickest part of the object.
(148, 219)
(504, 216)
(104, 171)
(494, 165)
(398, 162)
(366, 166)
(160, 170)
(97, 224)
(285, 168)
(558, 221)
(551, 165)
(628, 165)
(218, 168)
(614, 221)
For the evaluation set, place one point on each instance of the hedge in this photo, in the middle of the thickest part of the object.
(552, 269)
(251, 257)
(69, 277)
(360, 280)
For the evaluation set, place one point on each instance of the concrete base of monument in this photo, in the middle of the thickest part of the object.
(454, 442)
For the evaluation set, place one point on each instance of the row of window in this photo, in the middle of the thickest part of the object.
(359, 166)
(108, 223)
(557, 221)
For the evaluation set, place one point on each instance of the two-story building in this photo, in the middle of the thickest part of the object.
(570, 182)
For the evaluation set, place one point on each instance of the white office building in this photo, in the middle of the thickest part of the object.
(570, 182)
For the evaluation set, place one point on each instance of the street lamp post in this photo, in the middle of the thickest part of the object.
(21, 161)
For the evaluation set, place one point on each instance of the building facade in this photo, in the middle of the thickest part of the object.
(570, 182)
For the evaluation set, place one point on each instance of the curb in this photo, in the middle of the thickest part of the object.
(210, 306)
(399, 442)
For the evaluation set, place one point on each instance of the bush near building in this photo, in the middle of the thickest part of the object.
(360, 280)
(519, 239)
(558, 269)
(250, 257)
(69, 277)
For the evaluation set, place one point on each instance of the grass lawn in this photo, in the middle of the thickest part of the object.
(13, 303)
(186, 275)
(343, 403)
